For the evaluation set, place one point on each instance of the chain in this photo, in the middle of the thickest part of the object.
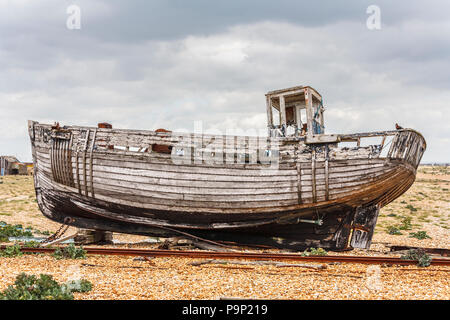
(58, 234)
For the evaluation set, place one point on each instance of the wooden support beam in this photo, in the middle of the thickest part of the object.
(59, 240)
(313, 174)
(309, 111)
(269, 111)
(315, 93)
(364, 226)
(298, 114)
(84, 162)
(299, 182)
(77, 171)
(88, 236)
(91, 162)
(69, 162)
(382, 142)
(393, 146)
(323, 138)
(283, 110)
(326, 173)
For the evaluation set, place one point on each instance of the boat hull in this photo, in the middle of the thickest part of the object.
(82, 174)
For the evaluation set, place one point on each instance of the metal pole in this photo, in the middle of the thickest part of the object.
(2, 170)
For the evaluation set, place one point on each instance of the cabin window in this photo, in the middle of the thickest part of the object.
(290, 115)
(276, 116)
(303, 115)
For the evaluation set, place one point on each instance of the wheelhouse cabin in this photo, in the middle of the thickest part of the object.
(296, 111)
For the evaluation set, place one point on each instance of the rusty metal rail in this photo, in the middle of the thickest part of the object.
(244, 255)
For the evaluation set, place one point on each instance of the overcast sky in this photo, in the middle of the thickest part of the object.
(165, 64)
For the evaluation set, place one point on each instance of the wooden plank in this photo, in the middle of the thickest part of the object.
(322, 138)
(393, 147)
(313, 173)
(69, 161)
(364, 226)
(53, 159)
(48, 244)
(382, 142)
(84, 163)
(309, 112)
(298, 115)
(326, 174)
(91, 162)
(283, 111)
(77, 171)
(269, 112)
(299, 183)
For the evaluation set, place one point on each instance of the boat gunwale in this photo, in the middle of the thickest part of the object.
(286, 140)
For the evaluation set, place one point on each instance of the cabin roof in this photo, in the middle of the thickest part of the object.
(293, 89)
(10, 158)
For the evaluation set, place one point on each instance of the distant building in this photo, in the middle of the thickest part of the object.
(10, 165)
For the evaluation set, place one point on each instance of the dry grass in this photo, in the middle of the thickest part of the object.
(427, 203)
(174, 278)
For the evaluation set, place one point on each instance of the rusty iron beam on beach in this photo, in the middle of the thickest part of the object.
(244, 255)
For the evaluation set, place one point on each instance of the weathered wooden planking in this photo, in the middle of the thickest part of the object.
(334, 177)
(375, 191)
(181, 195)
(327, 176)
(164, 159)
(364, 226)
(335, 183)
(346, 171)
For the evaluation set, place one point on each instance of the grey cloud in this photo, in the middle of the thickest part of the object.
(167, 64)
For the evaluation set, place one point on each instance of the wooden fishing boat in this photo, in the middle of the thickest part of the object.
(297, 187)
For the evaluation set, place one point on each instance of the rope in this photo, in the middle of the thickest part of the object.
(318, 108)
(318, 127)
